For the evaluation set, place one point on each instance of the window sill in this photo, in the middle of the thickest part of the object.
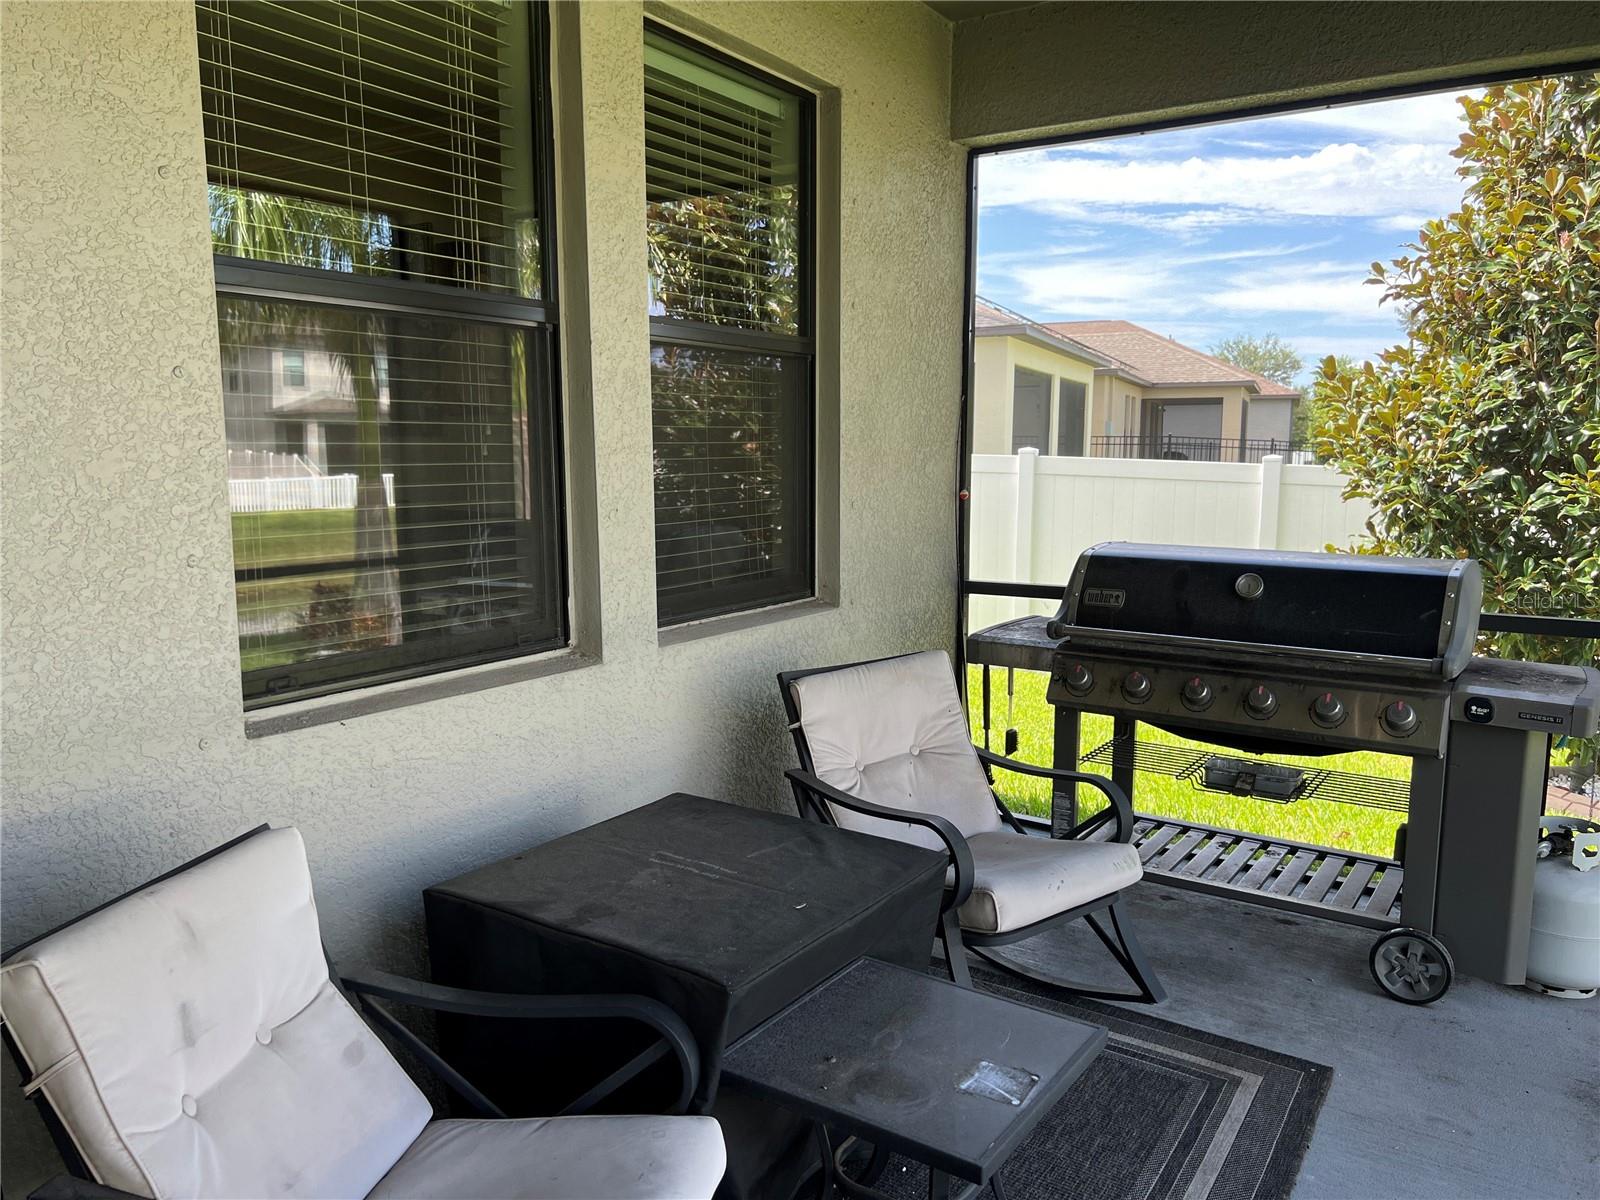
(694, 631)
(345, 706)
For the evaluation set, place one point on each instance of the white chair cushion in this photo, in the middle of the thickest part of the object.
(1020, 880)
(561, 1158)
(893, 733)
(196, 1047)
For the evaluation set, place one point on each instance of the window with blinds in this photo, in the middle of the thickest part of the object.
(728, 169)
(379, 218)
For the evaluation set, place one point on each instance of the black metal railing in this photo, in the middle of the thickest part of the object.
(1554, 627)
(1180, 448)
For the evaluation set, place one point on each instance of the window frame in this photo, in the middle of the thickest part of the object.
(800, 345)
(258, 279)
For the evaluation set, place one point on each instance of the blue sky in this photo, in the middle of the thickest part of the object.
(1262, 226)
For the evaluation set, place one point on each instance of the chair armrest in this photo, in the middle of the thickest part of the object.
(69, 1187)
(1113, 793)
(956, 845)
(668, 1025)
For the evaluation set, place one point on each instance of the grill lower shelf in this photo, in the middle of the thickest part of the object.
(1184, 762)
(1355, 888)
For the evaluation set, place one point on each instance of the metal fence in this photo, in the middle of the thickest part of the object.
(1179, 448)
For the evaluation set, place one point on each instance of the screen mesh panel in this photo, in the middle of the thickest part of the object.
(722, 187)
(379, 138)
(385, 505)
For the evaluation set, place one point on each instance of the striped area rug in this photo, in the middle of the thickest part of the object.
(1165, 1113)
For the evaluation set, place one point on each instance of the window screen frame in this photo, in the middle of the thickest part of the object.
(743, 597)
(258, 279)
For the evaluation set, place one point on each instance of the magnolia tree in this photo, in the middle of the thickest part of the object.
(1480, 436)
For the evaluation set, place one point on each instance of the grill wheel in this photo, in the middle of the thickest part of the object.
(1411, 966)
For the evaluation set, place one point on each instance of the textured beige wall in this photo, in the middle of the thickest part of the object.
(1019, 74)
(125, 748)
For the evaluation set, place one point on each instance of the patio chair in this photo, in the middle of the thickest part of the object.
(191, 1039)
(884, 748)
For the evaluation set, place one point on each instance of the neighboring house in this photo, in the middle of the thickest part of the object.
(298, 404)
(1116, 389)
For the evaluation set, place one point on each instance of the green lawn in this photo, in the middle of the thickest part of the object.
(1324, 823)
(270, 539)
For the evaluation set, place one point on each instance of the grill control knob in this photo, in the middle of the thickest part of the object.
(1196, 695)
(1136, 686)
(1327, 710)
(1078, 679)
(1259, 702)
(1399, 719)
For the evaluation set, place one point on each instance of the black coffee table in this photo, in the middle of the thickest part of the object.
(951, 1077)
(724, 913)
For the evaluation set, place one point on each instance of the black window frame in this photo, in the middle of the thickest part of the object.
(730, 599)
(259, 279)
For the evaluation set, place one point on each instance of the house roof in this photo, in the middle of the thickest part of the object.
(990, 320)
(1161, 360)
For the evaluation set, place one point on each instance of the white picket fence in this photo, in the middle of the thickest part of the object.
(1031, 516)
(299, 492)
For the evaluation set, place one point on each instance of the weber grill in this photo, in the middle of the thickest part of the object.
(1266, 650)
(1256, 653)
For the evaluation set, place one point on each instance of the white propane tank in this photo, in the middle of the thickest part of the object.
(1564, 948)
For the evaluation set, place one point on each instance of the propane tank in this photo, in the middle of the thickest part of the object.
(1564, 947)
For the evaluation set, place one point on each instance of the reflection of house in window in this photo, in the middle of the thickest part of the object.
(302, 404)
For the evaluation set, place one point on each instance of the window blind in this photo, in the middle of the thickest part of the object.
(732, 480)
(393, 469)
(382, 138)
(727, 165)
(722, 187)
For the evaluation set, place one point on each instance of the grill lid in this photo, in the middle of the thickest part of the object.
(1419, 614)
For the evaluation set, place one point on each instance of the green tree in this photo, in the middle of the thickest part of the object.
(1312, 410)
(1480, 436)
(1268, 355)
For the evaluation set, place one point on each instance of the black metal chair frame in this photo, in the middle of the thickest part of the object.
(813, 796)
(365, 989)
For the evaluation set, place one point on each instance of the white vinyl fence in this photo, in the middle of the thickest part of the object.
(1030, 516)
(299, 492)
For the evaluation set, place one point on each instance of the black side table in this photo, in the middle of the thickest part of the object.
(951, 1077)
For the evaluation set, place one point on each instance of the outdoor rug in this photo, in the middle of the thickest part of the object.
(1165, 1113)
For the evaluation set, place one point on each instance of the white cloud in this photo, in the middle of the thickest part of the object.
(1339, 180)
(1313, 348)
(1335, 291)
(1436, 118)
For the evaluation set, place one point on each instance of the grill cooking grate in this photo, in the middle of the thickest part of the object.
(1180, 762)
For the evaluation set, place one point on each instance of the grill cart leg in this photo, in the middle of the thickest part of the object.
(1411, 966)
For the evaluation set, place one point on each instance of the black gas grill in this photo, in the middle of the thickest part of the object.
(1265, 650)
(1254, 653)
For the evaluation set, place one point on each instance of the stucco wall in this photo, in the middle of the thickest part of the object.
(1014, 76)
(125, 747)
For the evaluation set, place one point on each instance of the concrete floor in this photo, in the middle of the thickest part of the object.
(1491, 1093)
